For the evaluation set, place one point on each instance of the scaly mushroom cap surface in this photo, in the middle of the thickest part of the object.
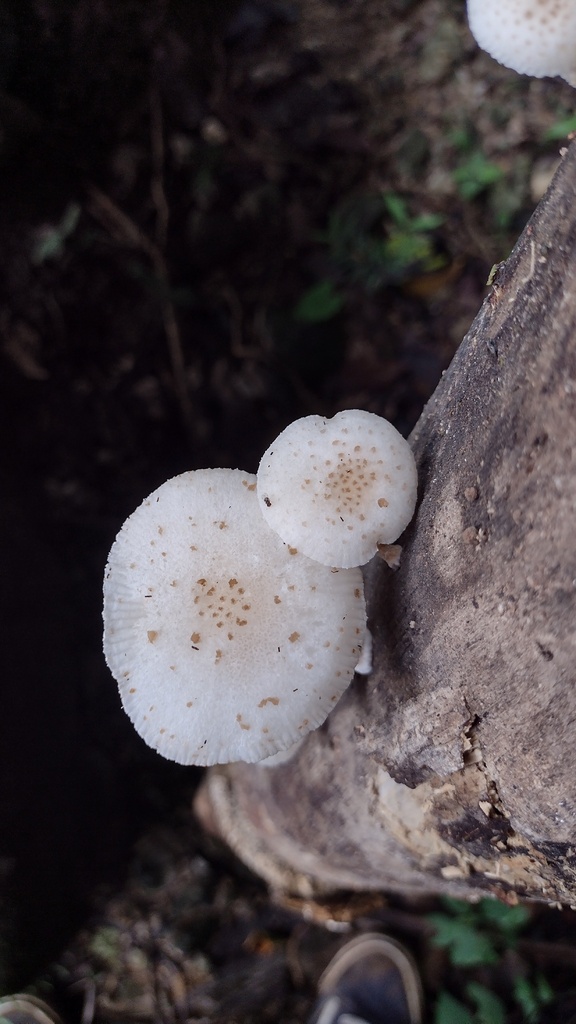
(226, 644)
(533, 37)
(336, 488)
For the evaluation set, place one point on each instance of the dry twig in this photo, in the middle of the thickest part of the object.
(123, 230)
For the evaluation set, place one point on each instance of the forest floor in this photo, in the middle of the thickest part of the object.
(216, 218)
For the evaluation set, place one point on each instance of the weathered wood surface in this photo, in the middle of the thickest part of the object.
(453, 766)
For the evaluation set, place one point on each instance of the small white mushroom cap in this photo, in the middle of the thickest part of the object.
(226, 644)
(533, 37)
(336, 488)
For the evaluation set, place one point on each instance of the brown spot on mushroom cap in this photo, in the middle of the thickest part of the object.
(241, 595)
(362, 493)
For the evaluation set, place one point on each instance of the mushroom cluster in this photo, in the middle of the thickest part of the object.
(231, 634)
(533, 37)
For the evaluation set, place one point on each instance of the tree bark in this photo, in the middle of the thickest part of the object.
(452, 767)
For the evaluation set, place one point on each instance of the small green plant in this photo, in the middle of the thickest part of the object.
(477, 935)
(409, 242)
(487, 1008)
(532, 995)
(320, 303)
(475, 174)
(372, 241)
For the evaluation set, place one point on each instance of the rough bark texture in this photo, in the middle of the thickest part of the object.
(452, 767)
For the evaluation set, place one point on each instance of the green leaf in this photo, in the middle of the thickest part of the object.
(318, 304)
(475, 175)
(447, 928)
(508, 920)
(398, 212)
(489, 1007)
(466, 945)
(527, 1000)
(544, 990)
(427, 222)
(459, 908)
(560, 129)
(449, 1010)
(532, 996)
(396, 208)
(461, 138)
(402, 250)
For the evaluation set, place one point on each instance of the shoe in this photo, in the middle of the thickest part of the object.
(370, 980)
(25, 1009)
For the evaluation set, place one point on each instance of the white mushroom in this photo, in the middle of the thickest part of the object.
(226, 643)
(533, 37)
(336, 488)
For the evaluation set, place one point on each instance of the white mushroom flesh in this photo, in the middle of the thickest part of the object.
(226, 643)
(533, 37)
(336, 488)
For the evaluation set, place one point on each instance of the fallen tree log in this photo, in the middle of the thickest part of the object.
(452, 767)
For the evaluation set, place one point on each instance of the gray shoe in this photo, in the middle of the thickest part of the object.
(370, 980)
(25, 1009)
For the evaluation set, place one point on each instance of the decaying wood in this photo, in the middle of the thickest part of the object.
(453, 766)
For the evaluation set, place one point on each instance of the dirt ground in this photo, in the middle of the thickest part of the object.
(214, 218)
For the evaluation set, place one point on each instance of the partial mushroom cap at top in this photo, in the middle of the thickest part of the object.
(336, 488)
(226, 644)
(533, 37)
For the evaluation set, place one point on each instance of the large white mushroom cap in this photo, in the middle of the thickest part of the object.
(533, 37)
(226, 644)
(336, 488)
